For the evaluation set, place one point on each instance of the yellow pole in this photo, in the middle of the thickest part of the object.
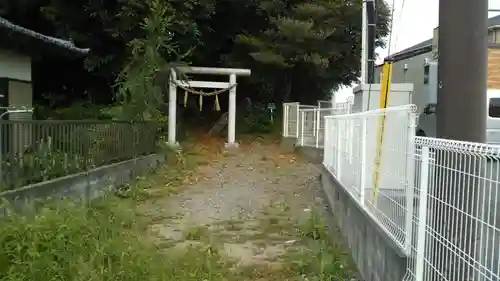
(385, 90)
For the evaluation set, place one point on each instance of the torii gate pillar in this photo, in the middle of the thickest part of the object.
(231, 123)
(232, 72)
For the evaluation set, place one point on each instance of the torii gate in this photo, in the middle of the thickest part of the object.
(231, 85)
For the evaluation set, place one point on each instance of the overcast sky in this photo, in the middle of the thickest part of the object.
(413, 23)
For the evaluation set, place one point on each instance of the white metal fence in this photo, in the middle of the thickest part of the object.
(325, 104)
(290, 119)
(306, 123)
(368, 153)
(291, 115)
(437, 199)
(457, 235)
(312, 125)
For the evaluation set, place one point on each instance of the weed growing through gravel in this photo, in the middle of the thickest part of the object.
(106, 240)
(322, 259)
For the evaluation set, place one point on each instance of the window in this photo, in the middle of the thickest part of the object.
(494, 108)
(426, 74)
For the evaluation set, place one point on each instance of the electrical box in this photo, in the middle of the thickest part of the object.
(367, 96)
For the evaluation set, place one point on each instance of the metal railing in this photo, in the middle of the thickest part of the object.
(437, 199)
(311, 131)
(457, 219)
(306, 123)
(291, 119)
(325, 104)
(368, 153)
(35, 151)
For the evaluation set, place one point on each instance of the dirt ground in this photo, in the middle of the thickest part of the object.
(247, 204)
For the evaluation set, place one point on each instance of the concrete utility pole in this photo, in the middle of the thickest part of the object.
(461, 115)
(368, 29)
(462, 70)
(364, 44)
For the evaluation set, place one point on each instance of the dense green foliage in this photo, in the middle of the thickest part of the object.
(308, 48)
(297, 49)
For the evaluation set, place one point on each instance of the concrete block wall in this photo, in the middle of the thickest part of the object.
(82, 186)
(376, 256)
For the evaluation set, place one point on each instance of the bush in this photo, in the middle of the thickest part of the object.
(256, 120)
(77, 111)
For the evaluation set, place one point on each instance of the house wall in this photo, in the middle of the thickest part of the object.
(15, 91)
(15, 83)
(413, 74)
(20, 95)
(494, 68)
(494, 35)
(15, 66)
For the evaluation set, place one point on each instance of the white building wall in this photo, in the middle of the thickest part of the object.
(17, 69)
(20, 95)
(15, 66)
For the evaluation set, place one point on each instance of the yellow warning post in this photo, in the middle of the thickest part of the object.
(385, 90)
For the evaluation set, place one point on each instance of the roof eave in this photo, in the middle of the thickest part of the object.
(68, 45)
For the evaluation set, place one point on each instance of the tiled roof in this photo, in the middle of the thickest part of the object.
(427, 44)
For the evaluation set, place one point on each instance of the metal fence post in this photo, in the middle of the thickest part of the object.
(422, 214)
(285, 120)
(410, 181)
(298, 118)
(314, 122)
(327, 149)
(350, 134)
(363, 162)
(302, 121)
(339, 149)
(318, 119)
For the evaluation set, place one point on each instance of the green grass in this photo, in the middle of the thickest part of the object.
(324, 259)
(107, 240)
(104, 241)
(73, 242)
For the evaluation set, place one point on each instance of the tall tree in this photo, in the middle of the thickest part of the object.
(297, 49)
(309, 47)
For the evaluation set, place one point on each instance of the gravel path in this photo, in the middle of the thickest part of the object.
(246, 203)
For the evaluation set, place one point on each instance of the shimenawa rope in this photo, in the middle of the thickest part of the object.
(203, 94)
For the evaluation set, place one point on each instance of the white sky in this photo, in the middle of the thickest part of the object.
(413, 23)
